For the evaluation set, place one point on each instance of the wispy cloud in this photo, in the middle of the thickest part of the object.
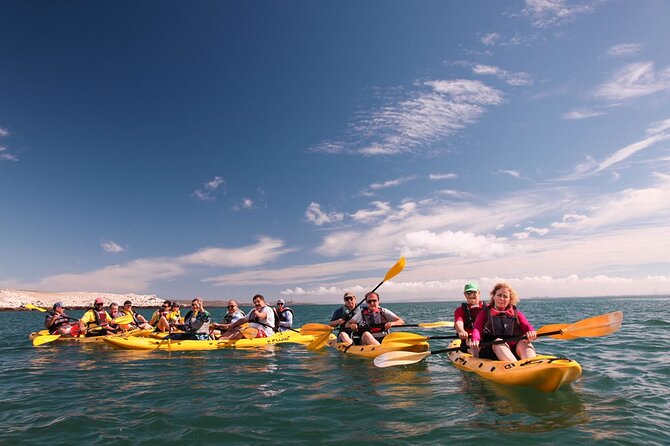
(515, 79)
(634, 80)
(245, 203)
(582, 113)
(5, 155)
(435, 110)
(316, 216)
(624, 49)
(110, 246)
(511, 173)
(3, 132)
(490, 39)
(548, 13)
(442, 176)
(210, 189)
(140, 274)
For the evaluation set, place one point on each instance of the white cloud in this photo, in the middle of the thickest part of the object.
(210, 189)
(511, 173)
(582, 113)
(390, 183)
(435, 110)
(442, 176)
(547, 13)
(634, 80)
(454, 193)
(315, 215)
(8, 157)
(110, 246)
(458, 244)
(624, 49)
(3, 132)
(514, 79)
(490, 39)
(381, 209)
(266, 250)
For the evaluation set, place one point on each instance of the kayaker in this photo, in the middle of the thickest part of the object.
(374, 322)
(174, 316)
(234, 313)
(261, 318)
(196, 323)
(95, 321)
(499, 320)
(57, 322)
(342, 315)
(466, 314)
(139, 321)
(159, 318)
(285, 316)
(114, 313)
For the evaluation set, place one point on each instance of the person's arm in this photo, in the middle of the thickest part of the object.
(392, 318)
(336, 319)
(459, 325)
(355, 321)
(526, 328)
(478, 328)
(288, 323)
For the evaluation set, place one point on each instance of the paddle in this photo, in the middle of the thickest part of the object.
(410, 338)
(596, 326)
(44, 310)
(324, 334)
(44, 339)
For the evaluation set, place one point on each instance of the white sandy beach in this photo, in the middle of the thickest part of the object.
(11, 299)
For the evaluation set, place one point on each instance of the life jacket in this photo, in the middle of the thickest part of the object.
(501, 324)
(100, 318)
(469, 315)
(197, 323)
(57, 322)
(228, 318)
(374, 320)
(125, 312)
(282, 315)
(275, 328)
(347, 314)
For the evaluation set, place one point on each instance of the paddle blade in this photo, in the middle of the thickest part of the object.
(555, 327)
(391, 359)
(39, 340)
(249, 332)
(123, 320)
(319, 342)
(34, 307)
(601, 325)
(437, 324)
(395, 269)
(315, 329)
(404, 337)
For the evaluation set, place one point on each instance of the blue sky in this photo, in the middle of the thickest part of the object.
(297, 149)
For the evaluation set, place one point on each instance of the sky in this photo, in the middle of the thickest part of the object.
(298, 149)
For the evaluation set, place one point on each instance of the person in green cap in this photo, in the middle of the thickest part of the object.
(465, 315)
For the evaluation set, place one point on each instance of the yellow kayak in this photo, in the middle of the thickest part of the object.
(545, 373)
(80, 339)
(372, 351)
(142, 343)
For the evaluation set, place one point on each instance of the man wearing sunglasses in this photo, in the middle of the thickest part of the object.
(262, 318)
(374, 322)
(234, 313)
(342, 315)
(465, 315)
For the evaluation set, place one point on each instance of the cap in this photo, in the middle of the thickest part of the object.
(349, 294)
(127, 303)
(281, 301)
(471, 287)
(99, 300)
(58, 304)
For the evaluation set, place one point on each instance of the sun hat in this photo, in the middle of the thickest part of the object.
(281, 301)
(471, 287)
(349, 294)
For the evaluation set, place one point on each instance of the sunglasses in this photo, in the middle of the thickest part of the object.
(470, 292)
(348, 298)
(231, 306)
(371, 300)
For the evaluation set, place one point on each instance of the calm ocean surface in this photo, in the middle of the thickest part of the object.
(91, 394)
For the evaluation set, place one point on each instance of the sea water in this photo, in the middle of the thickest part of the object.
(91, 394)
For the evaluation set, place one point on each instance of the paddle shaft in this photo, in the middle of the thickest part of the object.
(486, 344)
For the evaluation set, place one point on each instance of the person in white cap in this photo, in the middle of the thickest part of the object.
(285, 316)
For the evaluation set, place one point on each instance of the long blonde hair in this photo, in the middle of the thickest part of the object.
(514, 298)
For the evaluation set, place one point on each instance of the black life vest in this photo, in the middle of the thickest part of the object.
(501, 325)
(470, 315)
(58, 320)
(374, 321)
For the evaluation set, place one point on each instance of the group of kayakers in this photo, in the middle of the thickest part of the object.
(497, 330)
(261, 321)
